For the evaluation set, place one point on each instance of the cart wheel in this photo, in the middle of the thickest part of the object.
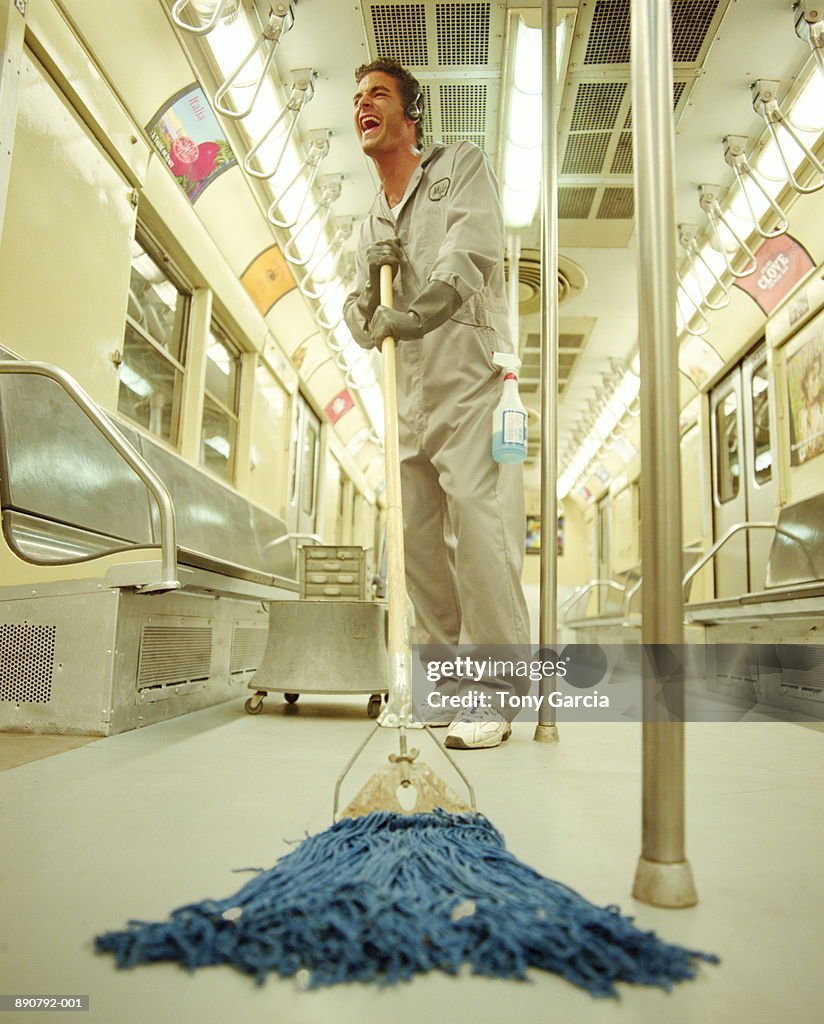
(254, 705)
(291, 698)
(373, 708)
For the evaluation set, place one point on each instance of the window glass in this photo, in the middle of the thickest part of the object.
(220, 405)
(310, 446)
(728, 458)
(151, 369)
(760, 398)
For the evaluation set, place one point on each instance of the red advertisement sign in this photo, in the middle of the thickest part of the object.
(340, 404)
(782, 263)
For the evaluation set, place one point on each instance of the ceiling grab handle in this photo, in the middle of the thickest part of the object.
(334, 252)
(697, 313)
(765, 103)
(708, 201)
(687, 236)
(281, 19)
(302, 91)
(736, 157)
(318, 150)
(809, 26)
(201, 30)
(331, 192)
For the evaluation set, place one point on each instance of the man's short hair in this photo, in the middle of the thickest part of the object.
(408, 86)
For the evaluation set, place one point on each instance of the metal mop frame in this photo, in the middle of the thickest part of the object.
(404, 785)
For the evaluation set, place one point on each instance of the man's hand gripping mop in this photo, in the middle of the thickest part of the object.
(405, 785)
(410, 879)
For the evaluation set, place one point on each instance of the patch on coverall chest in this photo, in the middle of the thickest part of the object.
(439, 189)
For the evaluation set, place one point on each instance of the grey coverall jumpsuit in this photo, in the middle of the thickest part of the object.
(464, 522)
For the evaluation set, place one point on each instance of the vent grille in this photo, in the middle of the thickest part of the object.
(691, 20)
(463, 33)
(616, 204)
(569, 349)
(248, 645)
(463, 110)
(609, 38)
(400, 33)
(174, 654)
(585, 153)
(677, 92)
(596, 105)
(608, 41)
(26, 662)
(622, 159)
(575, 203)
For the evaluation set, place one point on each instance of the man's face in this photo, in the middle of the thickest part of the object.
(380, 122)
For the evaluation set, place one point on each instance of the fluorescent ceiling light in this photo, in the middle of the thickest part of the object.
(522, 165)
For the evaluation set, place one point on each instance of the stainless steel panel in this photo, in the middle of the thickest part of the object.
(74, 659)
(63, 685)
(58, 466)
(796, 561)
(325, 647)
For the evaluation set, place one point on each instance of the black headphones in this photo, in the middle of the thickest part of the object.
(413, 111)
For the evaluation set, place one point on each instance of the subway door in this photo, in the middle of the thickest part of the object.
(760, 481)
(744, 484)
(302, 514)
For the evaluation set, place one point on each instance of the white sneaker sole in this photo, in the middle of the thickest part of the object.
(457, 743)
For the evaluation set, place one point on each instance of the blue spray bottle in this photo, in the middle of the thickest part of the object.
(509, 421)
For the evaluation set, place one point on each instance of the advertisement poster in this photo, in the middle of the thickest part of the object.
(805, 380)
(187, 135)
(267, 278)
(339, 406)
(781, 263)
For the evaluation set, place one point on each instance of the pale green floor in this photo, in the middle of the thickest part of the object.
(137, 824)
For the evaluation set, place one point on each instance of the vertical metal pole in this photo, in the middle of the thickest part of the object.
(513, 244)
(12, 27)
(663, 877)
(546, 730)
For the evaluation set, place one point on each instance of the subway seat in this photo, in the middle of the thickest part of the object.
(97, 656)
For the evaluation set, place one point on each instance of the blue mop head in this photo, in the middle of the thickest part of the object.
(387, 896)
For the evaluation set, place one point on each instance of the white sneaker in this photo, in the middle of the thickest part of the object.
(478, 728)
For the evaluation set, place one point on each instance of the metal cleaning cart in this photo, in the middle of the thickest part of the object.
(333, 640)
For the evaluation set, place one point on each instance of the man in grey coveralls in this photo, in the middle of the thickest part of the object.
(437, 220)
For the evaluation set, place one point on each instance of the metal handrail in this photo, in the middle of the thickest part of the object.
(195, 30)
(736, 528)
(584, 589)
(314, 537)
(168, 534)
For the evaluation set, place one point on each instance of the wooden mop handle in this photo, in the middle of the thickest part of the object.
(395, 562)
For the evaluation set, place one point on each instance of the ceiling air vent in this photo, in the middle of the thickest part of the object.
(463, 33)
(400, 33)
(571, 280)
(575, 203)
(616, 204)
(596, 106)
(585, 153)
(608, 41)
(609, 37)
(691, 20)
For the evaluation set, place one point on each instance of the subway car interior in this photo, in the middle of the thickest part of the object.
(195, 495)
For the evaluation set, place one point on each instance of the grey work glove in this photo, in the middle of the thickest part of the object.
(378, 254)
(433, 307)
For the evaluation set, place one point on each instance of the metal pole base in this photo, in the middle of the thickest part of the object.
(546, 734)
(665, 885)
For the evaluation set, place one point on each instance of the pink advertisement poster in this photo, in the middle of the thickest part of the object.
(782, 263)
(186, 134)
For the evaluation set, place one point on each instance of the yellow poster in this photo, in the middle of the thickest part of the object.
(267, 278)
